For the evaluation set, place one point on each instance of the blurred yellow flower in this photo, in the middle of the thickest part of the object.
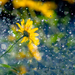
(70, 1)
(2, 2)
(34, 51)
(11, 38)
(48, 13)
(22, 55)
(14, 28)
(21, 70)
(36, 5)
(28, 32)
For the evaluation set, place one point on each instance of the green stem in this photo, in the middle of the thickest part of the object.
(11, 46)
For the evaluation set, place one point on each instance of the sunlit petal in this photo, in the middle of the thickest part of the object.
(19, 26)
(23, 40)
(20, 31)
(30, 24)
(33, 30)
(22, 22)
(30, 42)
(36, 42)
(26, 39)
(34, 34)
(27, 23)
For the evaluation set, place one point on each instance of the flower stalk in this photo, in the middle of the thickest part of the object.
(11, 47)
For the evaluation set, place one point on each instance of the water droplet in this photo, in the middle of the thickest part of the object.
(20, 44)
(3, 46)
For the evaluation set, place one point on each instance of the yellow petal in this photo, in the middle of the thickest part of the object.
(19, 26)
(23, 40)
(30, 24)
(26, 39)
(20, 31)
(30, 46)
(22, 22)
(33, 30)
(35, 40)
(37, 55)
(34, 34)
(27, 23)
(30, 41)
(34, 50)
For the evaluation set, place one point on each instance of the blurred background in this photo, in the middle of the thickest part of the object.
(55, 21)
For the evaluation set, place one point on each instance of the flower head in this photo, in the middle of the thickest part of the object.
(28, 32)
(45, 8)
(2, 2)
(34, 51)
(23, 70)
(70, 1)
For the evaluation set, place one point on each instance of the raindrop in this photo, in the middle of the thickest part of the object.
(48, 36)
(66, 12)
(44, 40)
(19, 50)
(70, 32)
(20, 44)
(71, 13)
(62, 45)
(19, 62)
(72, 35)
(58, 39)
(40, 27)
(3, 46)
(55, 19)
(5, 11)
(13, 35)
(49, 27)
(43, 20)
(26, 8)
(50, 15)
(13, 8)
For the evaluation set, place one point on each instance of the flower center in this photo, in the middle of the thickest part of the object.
(26, 33)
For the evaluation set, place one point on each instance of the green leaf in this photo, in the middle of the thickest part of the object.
(70, 42)
(54, 38)
(5, 65)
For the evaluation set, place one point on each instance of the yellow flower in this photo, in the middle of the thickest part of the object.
(20, 70)
(13, 28)
(2, 2)
(34, 51)
(23, 70)
(19, 3)
(22, 55)
(48, 13)
(28, 33)
(70, 1)
(36, 5)
(11, 38)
